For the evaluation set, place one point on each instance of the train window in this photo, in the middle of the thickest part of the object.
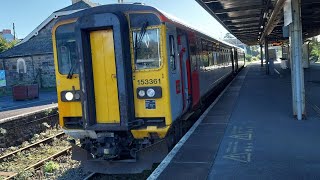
(193, 55)
(172, 53)
(147, 49)
(66, 49)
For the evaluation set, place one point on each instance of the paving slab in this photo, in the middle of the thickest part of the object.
(195, 157)
(10, 108)
(250, 133)
(263, 140)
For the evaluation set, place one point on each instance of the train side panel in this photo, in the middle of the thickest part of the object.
(174, 72)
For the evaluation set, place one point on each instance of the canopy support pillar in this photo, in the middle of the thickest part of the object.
(266, 53)
(261, 55)
(297, 73)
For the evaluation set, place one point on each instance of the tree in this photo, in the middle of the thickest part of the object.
(5, 45)
(314, 46)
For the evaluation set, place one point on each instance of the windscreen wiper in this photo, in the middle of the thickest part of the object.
(138, 41)
(71, 71)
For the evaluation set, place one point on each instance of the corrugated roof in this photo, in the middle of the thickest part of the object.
(246, 19)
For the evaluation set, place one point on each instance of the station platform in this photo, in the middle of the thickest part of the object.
(10, 108)
(249, 132)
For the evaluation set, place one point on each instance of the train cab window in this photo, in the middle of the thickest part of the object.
(147, 49)
(172, 53)
(66, 49)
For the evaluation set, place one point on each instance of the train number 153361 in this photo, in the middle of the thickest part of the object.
(148, 81)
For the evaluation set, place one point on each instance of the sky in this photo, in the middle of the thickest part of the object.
(28, 14)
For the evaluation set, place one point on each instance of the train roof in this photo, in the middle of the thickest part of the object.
(176, 20)
(125, 7)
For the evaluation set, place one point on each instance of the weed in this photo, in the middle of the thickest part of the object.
(51, 166)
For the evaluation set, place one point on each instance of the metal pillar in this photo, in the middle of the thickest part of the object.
(298, 91)
(261, 55)
(266, 53)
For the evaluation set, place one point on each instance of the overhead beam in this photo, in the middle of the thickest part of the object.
(242, 27)
(208, 2)
(242, 17)
(245, 32)
(271, 22)
(241, 22)
(251, 34)
(247, 35)
(241, 8)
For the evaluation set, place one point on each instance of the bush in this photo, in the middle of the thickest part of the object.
(248, 57)
(254, 59)
(51, 166)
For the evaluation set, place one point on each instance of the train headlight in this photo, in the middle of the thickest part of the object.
(77, 96)
(142, 93)
(69, 96)
(151, 92)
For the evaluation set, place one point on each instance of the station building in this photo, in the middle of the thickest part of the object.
(31, 61)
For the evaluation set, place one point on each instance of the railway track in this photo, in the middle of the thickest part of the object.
(37, 165)
(49, 139)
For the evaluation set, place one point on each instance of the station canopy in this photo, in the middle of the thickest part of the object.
(252, 20)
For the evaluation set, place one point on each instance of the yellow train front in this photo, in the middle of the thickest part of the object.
(126, 74)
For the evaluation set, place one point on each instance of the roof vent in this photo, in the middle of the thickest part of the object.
(139, 3)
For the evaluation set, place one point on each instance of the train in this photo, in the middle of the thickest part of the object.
(128, 76)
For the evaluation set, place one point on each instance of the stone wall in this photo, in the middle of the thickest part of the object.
(44, 68)
(38, 68)
(30, 69)
(20, 129)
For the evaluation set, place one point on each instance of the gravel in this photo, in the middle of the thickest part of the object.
(34, 139)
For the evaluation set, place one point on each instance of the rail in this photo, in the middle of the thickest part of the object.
(37, 165)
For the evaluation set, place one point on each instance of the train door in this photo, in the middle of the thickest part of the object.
(174, 72)
(232, 59)
(104, 76)
(236, 59)
(194, 69)
(185, 69)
